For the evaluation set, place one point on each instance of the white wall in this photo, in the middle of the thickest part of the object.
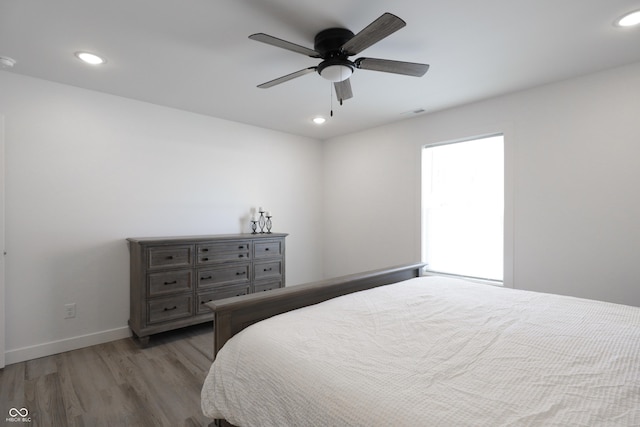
(573, 183)
(85, 170)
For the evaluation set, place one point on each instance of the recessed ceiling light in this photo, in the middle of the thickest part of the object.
(629, 20)
(90, 58)
(319, 120)
(6, 62)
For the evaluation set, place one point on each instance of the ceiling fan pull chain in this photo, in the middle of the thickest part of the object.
(342, 78)
(331, 97)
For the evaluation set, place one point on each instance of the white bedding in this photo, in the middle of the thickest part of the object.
(433, 352)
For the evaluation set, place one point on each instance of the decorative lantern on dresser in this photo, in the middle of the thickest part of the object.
(172, 278)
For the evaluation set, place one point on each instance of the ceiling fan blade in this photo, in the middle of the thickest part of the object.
(343, 90)
(274, 41)
(396, 67)
(287, 78)
(380, 28)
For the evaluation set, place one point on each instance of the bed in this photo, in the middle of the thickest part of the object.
(422, 351)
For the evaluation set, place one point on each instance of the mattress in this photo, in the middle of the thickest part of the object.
(433, 351)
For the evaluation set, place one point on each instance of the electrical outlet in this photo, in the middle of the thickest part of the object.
(70, 310)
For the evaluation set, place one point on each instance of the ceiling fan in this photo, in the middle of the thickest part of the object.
(335, 45)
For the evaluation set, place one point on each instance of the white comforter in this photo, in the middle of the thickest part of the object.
(433, 352)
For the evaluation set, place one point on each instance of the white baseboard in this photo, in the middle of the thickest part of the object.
(68, 344)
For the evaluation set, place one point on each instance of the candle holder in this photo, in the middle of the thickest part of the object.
(254, 226)
(268, 224)
(262, 222)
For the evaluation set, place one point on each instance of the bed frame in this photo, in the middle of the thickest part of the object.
(231, 315)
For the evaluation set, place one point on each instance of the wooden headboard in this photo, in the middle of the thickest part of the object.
(231, 315)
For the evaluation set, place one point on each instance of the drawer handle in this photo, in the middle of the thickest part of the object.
(241, 273)
(171, 283)
(266, 249)
(268, 269)
(206, 278)
(170, 309)
(205, 259)
(243, 293)
(240, 247)
(170, 257)
(205, 249)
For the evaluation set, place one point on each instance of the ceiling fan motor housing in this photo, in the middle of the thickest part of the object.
(328, 44)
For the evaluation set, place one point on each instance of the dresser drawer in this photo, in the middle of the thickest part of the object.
(169, 282)
(223, 252)
(164, 309)
(169, 256)
(267, 270)
(220, 293)
(223, 275)
(267, 286)
(268, 249)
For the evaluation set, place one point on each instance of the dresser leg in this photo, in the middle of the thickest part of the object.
(141, 341)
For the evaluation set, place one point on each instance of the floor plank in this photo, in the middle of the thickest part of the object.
(115, 384)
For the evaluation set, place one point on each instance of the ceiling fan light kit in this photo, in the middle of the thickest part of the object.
(335, 45)
(335, 71)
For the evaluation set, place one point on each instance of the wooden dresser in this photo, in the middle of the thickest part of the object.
(172, 278)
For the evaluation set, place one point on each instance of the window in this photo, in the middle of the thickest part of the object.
(463, 207)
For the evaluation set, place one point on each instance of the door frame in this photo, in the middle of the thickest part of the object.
(2, 247)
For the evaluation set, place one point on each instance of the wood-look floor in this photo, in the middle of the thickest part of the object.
(114, 384)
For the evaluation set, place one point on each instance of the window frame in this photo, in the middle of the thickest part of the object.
(508, 224)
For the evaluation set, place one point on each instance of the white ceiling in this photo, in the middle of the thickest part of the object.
(195, 55)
